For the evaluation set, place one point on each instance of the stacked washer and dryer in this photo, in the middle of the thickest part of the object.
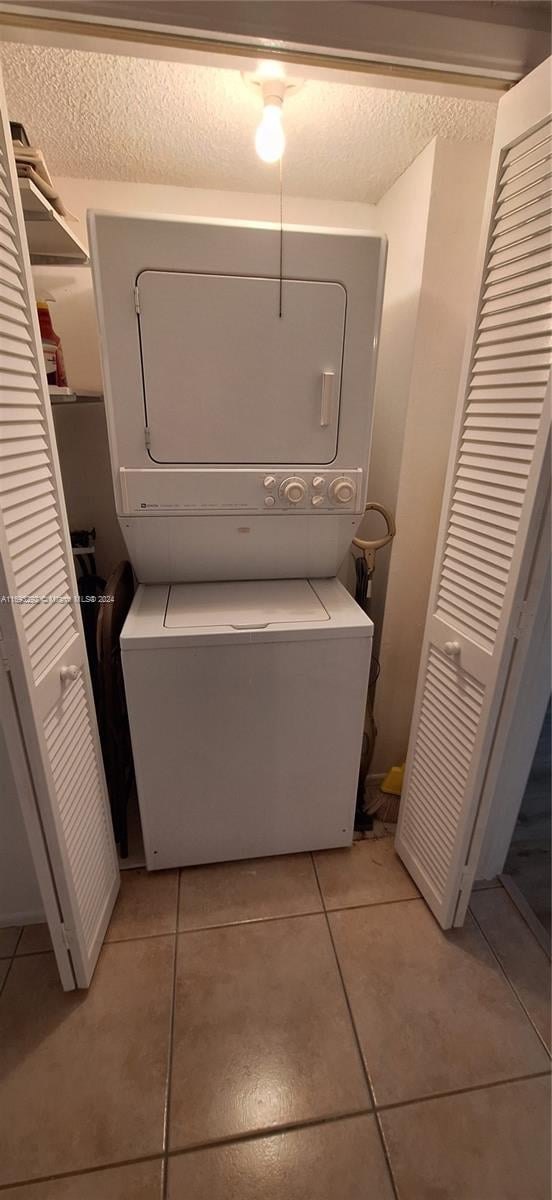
(239, 364)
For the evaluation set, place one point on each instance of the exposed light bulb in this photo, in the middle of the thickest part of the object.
(270, 139)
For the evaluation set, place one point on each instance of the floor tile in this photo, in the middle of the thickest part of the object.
(35, 939)
(368, 873)
(8, 941)
(483, 885)
(523, 959)
(227, 893)
(262, 1034)
(342, 1160)
(140, 1181)
(433, 1010)
(4, 968)
(146, 905)
(492, 1144)
(84, 1073)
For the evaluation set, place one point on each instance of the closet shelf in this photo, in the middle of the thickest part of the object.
(65, 395)
(51, 241)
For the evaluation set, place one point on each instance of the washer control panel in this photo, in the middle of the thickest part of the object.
(306, 490)
(247, 490)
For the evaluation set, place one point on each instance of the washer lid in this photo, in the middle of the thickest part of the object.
(255, 604)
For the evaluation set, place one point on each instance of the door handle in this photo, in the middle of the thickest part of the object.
(68, 674)
(326, 397)
(452, 649)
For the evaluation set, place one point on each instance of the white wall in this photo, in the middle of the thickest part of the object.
(403, 215)
(20, 901)
(447, 293)
(81, 432)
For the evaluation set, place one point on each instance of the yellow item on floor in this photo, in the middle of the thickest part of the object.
(393, 781)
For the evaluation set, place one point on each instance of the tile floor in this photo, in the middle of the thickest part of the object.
(292, 1028)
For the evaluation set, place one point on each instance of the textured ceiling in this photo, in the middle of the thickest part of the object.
(108, 117)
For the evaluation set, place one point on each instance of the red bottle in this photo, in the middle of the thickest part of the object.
(51, 346)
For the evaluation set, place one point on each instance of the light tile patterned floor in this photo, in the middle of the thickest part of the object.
(295, 1027)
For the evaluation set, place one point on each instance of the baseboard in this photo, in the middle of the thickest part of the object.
(8, 920)
(525, 911)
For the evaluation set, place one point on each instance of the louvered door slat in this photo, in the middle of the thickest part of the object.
(41, 626)
(11, 329)
(516, 250)
(494, 488)
(34, 558)
(11, 312)
(7, 259)
(10, 278)
(13, 297)
(22, 503)
(534, 164)
(7, 241)
(20, 363)
(5, 222)
(537, 217)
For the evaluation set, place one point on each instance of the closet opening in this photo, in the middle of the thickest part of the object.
(357, 157)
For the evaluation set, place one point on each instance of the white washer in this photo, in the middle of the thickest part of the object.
(246, 704)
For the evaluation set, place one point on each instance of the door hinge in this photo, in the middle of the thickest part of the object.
(520, 620)
(137, 299)
(465, 878)
(4, 654)
(147, 436)
(66, 935)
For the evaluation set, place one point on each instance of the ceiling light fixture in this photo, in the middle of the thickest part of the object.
(270, 81)
(270, 139)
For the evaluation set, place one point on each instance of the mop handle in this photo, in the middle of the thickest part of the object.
(370, 548)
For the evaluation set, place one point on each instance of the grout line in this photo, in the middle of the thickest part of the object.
(318, 884)
(266, 1131)
(463, 1091)
(316, 912)
(509, 981)
(269, 1131)
(374, 904)
(310, 912)
(167, 1111)
(109, 1166)
(358, 1045)
(6, 976)
(10, 959)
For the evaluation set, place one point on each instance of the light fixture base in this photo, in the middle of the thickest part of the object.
(266, 84)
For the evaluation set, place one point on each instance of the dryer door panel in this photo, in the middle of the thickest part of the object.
(227, 380)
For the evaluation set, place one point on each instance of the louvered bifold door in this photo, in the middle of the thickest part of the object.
(494, 498)
(42, 642)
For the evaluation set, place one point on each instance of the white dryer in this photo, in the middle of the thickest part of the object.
(239, 404)
(246, 705)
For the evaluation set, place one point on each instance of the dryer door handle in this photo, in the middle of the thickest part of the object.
(326, 397)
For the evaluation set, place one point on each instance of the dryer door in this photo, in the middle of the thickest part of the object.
(227, 380)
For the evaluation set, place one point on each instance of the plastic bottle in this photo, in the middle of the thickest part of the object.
(51, 347)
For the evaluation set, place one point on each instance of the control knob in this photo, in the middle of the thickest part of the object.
(342, 490)
(293, 489)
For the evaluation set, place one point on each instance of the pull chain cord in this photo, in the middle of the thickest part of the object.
(281, 239)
